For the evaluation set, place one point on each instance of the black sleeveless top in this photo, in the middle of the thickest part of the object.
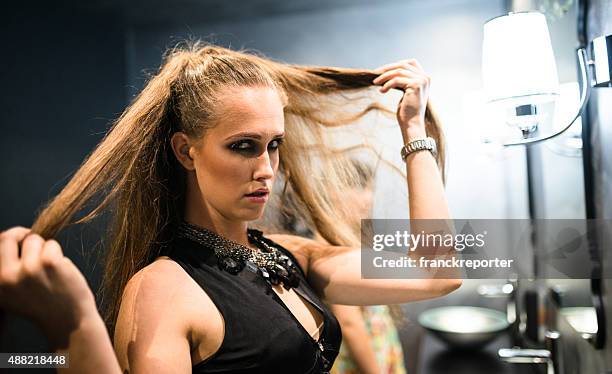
(261, 333)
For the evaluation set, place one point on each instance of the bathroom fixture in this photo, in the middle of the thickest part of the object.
(464, 327)
(520, 74)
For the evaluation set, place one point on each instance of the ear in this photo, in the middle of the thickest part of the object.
(183, 150)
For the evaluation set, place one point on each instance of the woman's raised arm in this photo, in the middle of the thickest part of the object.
(335, 271)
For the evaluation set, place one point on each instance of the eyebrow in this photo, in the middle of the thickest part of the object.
(252, 135)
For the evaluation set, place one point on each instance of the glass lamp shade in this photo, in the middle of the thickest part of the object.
(518, 63)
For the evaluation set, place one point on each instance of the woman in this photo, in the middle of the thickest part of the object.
(188, 286)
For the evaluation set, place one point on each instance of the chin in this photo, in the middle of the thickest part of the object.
(251, 215)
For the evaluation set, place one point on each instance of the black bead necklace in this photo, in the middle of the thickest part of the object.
(271, 263)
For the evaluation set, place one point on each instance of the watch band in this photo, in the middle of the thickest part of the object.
(419, 145)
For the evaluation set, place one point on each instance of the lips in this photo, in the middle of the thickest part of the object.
(260, 192)
(259, 196)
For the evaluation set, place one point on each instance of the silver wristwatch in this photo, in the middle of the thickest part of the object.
(419, 145)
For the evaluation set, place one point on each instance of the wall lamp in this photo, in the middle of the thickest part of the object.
(520, 73)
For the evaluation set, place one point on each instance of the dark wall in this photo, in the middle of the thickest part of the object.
(63, 75)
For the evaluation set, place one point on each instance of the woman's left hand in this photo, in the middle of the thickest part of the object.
(408, 76)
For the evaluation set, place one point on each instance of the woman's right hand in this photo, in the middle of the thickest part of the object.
(43, 285)
(408, 76)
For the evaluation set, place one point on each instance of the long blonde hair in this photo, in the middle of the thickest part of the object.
(141, 184)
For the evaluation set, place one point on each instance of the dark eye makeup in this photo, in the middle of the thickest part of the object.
(252, 147)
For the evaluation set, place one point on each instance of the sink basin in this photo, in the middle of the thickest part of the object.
(464, 327)
(582, 319)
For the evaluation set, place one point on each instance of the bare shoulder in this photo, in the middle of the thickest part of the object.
(165, 314)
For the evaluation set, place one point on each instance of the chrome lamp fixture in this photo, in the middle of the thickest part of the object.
(520, 73)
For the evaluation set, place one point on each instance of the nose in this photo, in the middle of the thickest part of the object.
(263, 167)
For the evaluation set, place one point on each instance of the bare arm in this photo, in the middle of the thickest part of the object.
(426, 195)
(90, 349)
(335, 271)
(47, 288)
(356, 337)
(148, 337)
(161, 319)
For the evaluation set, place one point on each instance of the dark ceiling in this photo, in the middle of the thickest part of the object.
(145, 12)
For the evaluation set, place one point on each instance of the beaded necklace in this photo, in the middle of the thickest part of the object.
(274, 266)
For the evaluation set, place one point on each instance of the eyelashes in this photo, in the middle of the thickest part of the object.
(251, 148)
